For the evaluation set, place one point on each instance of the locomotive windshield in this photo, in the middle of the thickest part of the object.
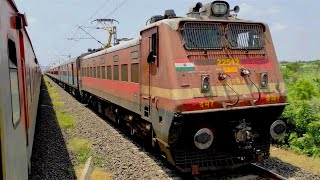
(202, 35)
(245, 36)
(208, 36)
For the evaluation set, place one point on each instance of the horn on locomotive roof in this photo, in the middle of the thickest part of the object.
(216, 9)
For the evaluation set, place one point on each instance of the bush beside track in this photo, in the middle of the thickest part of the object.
(302, 81)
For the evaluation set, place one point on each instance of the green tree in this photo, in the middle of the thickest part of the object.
(295, 67)
(303, 90)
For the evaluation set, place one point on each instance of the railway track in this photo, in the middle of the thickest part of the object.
(248, 172)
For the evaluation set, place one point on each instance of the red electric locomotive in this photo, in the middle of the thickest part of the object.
(206, 89)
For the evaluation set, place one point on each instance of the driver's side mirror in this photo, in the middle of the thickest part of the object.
(151, 57)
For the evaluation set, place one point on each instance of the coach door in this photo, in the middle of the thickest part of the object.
(148, 69)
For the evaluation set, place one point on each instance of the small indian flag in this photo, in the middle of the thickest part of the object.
(184, 67)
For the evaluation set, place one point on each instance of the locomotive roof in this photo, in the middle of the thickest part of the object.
(174, 22)
(122, 45)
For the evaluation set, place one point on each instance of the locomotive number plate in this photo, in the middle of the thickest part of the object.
(228, 62)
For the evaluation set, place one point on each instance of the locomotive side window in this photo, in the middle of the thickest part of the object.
(109, 73)
(135, 73)
(134, 55)
(14, 84)
(103, 71)
(115, 72)
(98, 72)
(124, 72)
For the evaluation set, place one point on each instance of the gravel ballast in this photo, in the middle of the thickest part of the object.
(122, 157)
(50, 158)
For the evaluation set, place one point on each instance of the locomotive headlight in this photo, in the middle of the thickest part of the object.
(264, 78)
(205, 83)
(277, 129)
(203, 138)
(219, 8)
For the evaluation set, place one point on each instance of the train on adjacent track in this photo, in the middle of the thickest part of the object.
(19, 93)
(206, 89)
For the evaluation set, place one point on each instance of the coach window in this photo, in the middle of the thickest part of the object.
(91, 74)
(88, 73)
(124, 72)
(103, 60)
(103, 71)
(135, 73)
(134, 55)
(94, 72)
(14, 84)
(115, 72)
(98, 72)
(109, 73)
(115, 58)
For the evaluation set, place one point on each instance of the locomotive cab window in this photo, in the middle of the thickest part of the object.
(153, 55)
(14, 83)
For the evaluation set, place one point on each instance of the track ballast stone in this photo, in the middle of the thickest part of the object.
(50, 158)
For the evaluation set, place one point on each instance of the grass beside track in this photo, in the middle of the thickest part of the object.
(301, 161)
(65, 120)
(81, 148)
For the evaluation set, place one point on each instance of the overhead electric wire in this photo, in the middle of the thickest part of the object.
(74, 35)
(119, 6)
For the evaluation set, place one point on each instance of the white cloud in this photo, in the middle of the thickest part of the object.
(278, 27)
(250, 10)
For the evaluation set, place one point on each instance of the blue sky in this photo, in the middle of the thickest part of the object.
(294, 26)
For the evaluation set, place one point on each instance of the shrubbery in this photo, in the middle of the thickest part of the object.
(303, 114)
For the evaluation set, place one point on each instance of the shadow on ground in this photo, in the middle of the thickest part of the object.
(50, 158)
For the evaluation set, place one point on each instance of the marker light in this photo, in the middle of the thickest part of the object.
(205, 83)
(264, 80)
